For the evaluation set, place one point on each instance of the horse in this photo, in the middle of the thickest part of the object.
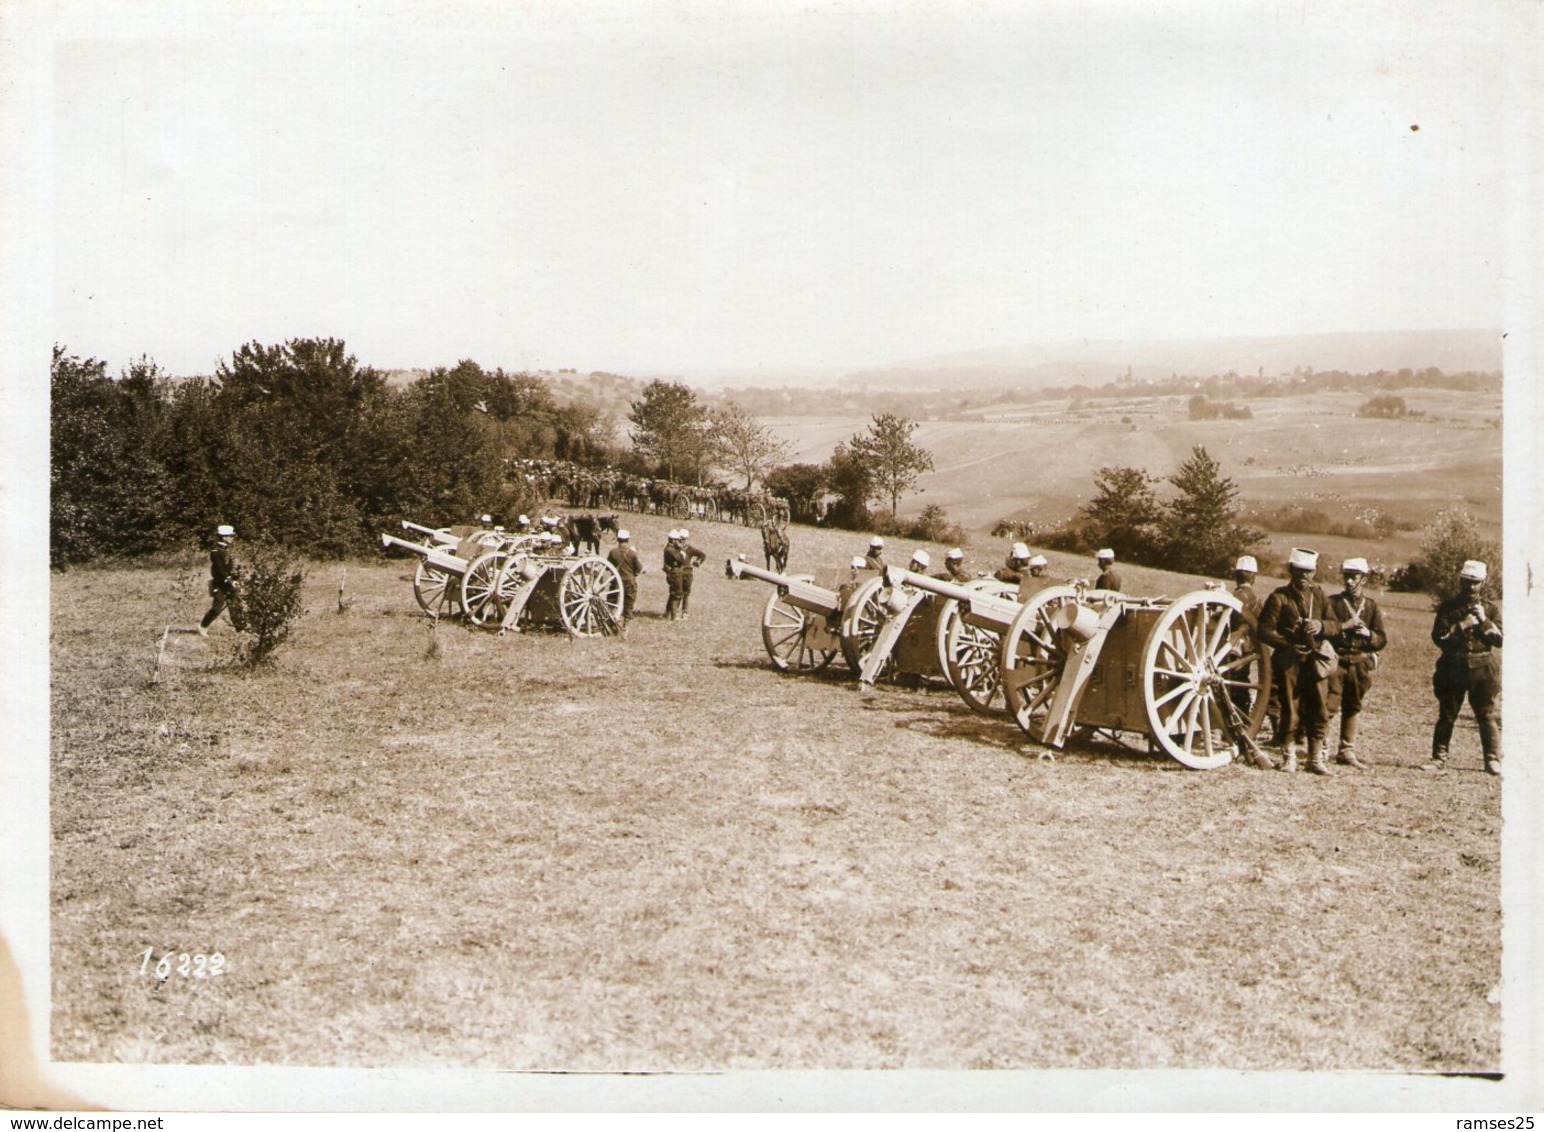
(774, 545)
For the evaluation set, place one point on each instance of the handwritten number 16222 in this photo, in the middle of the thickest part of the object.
(195, 966)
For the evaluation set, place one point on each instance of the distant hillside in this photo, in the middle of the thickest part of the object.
(1091, 362)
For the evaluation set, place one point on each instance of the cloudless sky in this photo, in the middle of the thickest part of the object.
(647, 188)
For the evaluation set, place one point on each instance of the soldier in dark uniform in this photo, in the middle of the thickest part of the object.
(1357, 645)
(1244, 572)
(1298, 623)
(1109, 578)
(1013, 569)
(1468, 631)
(628, 566)
(222, 576)
(680, 559)
(875, 559)
(954, 567)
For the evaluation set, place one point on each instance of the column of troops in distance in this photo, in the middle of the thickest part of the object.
(1200, 675)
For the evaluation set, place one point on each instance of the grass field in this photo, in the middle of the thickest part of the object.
(437, 847)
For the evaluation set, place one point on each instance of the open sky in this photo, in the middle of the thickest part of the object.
(645, 188)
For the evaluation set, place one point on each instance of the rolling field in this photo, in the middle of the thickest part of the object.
(438, 847)
(1038, 461)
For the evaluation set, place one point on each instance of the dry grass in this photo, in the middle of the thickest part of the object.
(658, 853)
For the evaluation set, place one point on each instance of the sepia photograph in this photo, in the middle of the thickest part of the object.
(770, 556)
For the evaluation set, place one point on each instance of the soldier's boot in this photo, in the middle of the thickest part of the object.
(1289, 758)
(1347, 752)
(1316, 761)
(1438, 762)
(1493, 764)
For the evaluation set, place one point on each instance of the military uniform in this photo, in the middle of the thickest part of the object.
(1249, 618)
(628, 566)
(1301, 692)
(222, 584)
(1468, 631)
(954, 571)
(1109, 579)
(874, 559)
(679, 562)
(1360, 639)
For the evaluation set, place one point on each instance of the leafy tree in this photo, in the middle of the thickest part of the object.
(1201, 534)
(851, 480)
(892, 461)
(110, 493)
(1125, 512)
(290, 456)
(670, 429)
(803, 485)
(743, 445)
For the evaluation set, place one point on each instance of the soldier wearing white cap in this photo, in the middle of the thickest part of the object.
(875, 558)
(1014, 568)
(954, 567)
(222, 576)
(1468, 631)
(1360, 640)
(1244, 572)
(1298, 624)
(628, 566)
(680, 560)
(1109, 577)
(920, 561)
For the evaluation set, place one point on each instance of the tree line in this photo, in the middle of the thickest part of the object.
(305, 446)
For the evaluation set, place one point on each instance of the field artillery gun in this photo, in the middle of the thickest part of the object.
(877, 629)
(497, 580)
(1187, 672)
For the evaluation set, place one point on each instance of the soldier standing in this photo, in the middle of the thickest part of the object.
(1013, 569)
(628, 566)
(875, 559)
(680, 559)
(1297, 622)
(1244, 572)
(222, 576)
(1109, 578)
(1357, 645)
(1468, 631)
(954, 567)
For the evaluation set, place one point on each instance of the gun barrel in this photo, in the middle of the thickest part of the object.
(999, 611)
(439, 555)
(804, 594)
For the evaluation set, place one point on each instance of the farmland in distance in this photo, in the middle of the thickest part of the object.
(1037, 460)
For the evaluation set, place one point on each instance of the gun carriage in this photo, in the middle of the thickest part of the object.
(1188, 672)
(499, 580)
(876, 628)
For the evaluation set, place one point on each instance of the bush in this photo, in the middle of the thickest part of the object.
(1385, 405)
(266, 606)
(1446, 543)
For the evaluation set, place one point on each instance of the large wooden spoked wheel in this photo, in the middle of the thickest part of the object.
(1193, 659)
(972, 655)
(786, 631)
(862, 618)
(437, 589)
(590, 598)
(1032, 657)
(486, 587)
